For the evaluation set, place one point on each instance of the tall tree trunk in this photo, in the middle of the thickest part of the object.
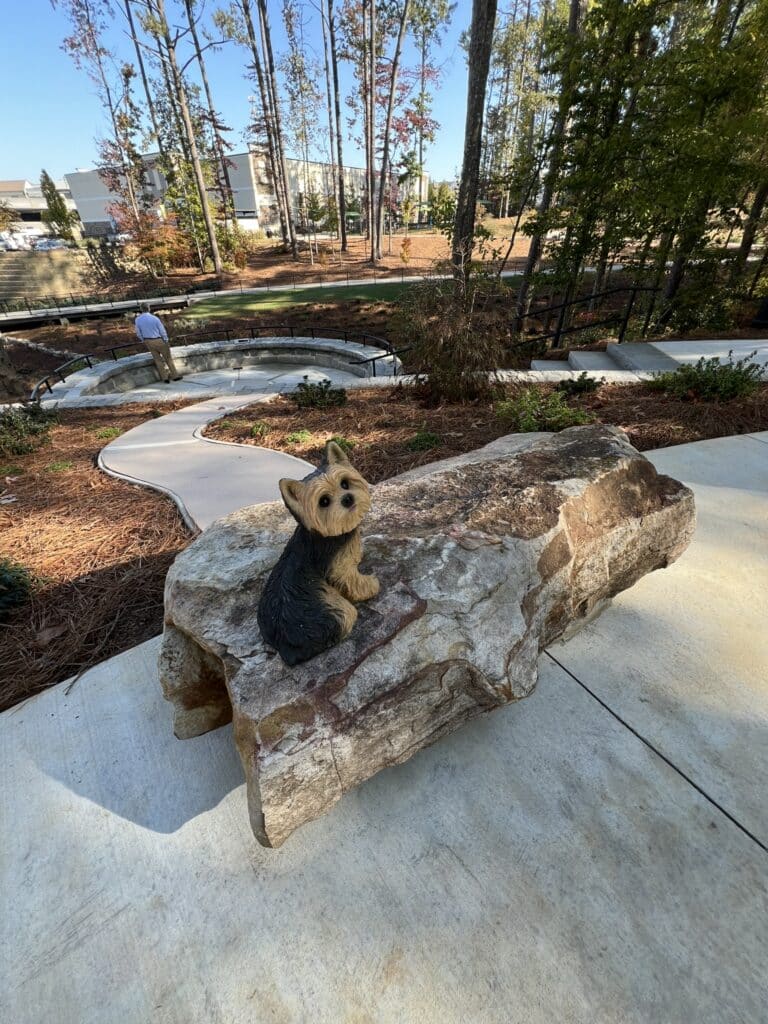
(269, 126)
(384, 171)
(342, 211)
(688, 239)
(750, 230)
(197, 169)
(372, 128)
(479, 59)
(422, 101)
(225, 184)
(171, 171)
(576, 11)
(329, 106)
(143, 73)
(266, 39)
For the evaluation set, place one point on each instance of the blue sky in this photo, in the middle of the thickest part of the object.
(50, 118)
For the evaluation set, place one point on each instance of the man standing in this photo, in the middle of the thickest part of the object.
(152, 332)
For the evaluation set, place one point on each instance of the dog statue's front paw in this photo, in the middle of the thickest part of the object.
(368, 587)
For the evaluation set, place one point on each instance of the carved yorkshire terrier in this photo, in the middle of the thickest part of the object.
(306, 605)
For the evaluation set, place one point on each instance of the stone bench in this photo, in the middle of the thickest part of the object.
(484, 560)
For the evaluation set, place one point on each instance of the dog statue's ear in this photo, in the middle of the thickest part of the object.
(335, 455)
(291, 492)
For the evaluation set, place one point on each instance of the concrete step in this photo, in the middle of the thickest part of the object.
(597, 361)
(640, 357)
(550, 364)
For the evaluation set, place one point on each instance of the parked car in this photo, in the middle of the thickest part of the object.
(48, 244)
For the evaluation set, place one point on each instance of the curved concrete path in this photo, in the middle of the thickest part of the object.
(596, 854)
(207, 479)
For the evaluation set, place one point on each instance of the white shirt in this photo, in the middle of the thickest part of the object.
(149, 326)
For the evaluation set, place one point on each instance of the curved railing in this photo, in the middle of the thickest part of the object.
(99, 355)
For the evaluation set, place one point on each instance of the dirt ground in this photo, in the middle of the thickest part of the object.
(270, 263)
(388, 431)
(99, 549)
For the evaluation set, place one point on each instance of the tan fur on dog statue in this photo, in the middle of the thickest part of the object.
(306, 605)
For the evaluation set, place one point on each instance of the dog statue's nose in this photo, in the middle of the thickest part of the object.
(348, 500)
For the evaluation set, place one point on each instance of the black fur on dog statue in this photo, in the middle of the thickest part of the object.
(306, 605)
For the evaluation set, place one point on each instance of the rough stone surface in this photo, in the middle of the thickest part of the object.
(483, 560)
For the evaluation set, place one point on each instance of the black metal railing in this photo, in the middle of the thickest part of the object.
(621, 317)
(60, 374)
(373, 360)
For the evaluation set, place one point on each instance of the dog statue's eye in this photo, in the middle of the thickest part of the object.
(324, 502)
(345, 485)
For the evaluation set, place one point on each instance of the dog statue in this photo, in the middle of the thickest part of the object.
(306, 605)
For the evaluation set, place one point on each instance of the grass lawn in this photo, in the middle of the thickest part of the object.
(287, 298)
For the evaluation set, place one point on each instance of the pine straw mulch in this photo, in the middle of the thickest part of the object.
(383, 427)
(99, 549)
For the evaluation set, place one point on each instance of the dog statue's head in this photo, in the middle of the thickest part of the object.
(332, 500)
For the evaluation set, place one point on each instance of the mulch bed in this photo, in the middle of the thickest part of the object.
(388, 428)
(99, 549)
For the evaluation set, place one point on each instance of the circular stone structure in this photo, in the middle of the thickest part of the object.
(239, 366)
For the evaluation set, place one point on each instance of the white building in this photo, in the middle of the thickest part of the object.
(28, 200)
(93, 199)
(252, 190)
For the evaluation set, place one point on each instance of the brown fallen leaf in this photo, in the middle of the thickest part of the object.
(45, 636)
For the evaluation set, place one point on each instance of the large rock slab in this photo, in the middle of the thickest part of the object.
(483, 560)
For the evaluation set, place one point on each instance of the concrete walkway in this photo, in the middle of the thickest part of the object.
(207, 479)
(657, 356)
(593, 855)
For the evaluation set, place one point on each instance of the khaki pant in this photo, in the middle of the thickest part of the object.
(161, 353)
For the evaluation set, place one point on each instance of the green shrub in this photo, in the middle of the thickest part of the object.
(423, 440)
(58, 467)
(710, 380)
(10, 471)
(532, 410)
(106, 433)
(322, 395)
(23, 429)
(581, 385)
(259, 429)
(15, 586)
(344, 443)
(298, 437)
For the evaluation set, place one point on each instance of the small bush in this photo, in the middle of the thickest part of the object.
(259, 429)
(322, 395)
(423, 440)
(10, 471)
(532, 410)
(459, 336)
(710, 380)
(58, 467)
(23, 429)
(298, 437)
(344, 443)
(15, 586)
(581, 385)
(106, 433)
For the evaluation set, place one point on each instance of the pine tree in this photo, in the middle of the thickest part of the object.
(56, 215)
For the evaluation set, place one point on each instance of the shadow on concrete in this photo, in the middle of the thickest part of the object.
(127, 759)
